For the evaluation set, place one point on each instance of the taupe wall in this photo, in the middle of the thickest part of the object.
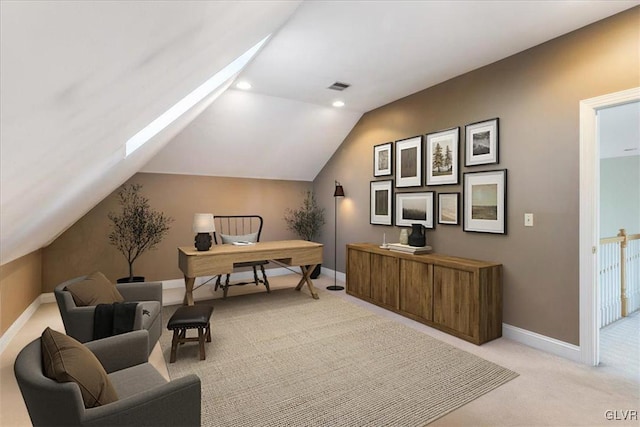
(20, 285)
(84, 247)
(535, 94)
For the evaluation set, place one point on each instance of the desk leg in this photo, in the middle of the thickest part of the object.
(306, 278)
(188, 290)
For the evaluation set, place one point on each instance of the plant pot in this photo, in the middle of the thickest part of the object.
(133, 279)
(316, 271)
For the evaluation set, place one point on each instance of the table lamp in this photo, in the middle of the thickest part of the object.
(203, 225)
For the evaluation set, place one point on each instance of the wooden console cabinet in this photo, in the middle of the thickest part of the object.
(462, 297)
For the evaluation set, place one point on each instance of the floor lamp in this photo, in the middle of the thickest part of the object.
(338, 192)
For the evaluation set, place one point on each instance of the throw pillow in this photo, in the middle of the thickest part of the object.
(66, 360)
(251, 237)
(93, 290)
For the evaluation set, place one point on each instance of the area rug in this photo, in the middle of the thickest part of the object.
(285, 359)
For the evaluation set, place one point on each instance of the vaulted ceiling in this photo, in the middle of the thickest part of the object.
(78, 79)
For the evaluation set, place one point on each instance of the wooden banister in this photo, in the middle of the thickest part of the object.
(623, 269)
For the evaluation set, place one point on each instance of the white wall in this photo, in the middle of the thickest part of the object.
(619, 195)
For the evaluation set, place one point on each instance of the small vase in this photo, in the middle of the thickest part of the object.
(404, 236)
(417, 237)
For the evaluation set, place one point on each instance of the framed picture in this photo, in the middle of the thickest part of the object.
(485, 201)
(481, 146)
(414, 208)
(442, 157)
(448, 209)
(409, 162)
(381, 198)
(382, 159)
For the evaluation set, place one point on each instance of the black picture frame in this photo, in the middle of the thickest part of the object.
(381, 202)
(482, 143)
(442, 157)
(415, 208)
(485, 201)
(409, 162)
(383, 159)
(449, 208)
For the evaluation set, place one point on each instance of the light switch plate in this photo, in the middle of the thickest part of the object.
(528, 220)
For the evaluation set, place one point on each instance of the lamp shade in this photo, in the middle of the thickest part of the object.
(203, 223)
(339, 191)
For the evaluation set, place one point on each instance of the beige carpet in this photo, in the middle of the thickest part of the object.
(284, 359)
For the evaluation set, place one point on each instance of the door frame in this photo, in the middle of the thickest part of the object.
(590, 219)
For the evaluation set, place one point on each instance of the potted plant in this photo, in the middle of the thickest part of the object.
(137, 228)
(306, 221)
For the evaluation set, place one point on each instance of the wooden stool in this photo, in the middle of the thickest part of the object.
(190, 317)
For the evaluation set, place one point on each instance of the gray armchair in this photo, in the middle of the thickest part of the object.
(145, 398)
(78, 321)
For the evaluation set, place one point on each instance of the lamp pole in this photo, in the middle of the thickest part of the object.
(338, 192)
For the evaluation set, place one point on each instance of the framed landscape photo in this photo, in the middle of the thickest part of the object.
(409, 162)
(485, 201)
(441, 157)
(414, 208)
(448, 208)
(381, 199)
(481, 146)
(382, 159)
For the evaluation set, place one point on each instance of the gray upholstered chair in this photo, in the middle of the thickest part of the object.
(78, 321)
(144, 396)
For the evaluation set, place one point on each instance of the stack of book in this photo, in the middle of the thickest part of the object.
(415, 250)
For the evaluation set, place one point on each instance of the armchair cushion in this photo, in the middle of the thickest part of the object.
(251, 237)
(93, 290)
(66, 360)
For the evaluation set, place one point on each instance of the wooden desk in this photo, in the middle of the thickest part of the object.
(220, 258)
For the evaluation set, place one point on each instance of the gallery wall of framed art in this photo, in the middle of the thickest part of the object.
(479, 203)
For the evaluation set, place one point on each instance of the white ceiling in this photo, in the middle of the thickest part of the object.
(77, 79)
(385, 49)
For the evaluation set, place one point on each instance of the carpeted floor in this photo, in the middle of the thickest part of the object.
(620, 345)
(285, 359)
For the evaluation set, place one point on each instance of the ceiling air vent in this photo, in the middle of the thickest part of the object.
(339, 86)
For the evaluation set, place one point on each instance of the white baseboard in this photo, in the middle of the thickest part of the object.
(47, 298)
(542, 342)
(22, 320)
(172, 298)
(341, 277)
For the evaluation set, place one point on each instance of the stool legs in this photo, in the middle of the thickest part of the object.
(174, 345)
(180, 337)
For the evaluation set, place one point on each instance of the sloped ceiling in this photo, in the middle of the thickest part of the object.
(386, 50)
(78, 79)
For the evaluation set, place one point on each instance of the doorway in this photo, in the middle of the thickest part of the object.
(589, 219)
(618, 136)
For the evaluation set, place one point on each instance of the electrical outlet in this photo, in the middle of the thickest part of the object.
(528, 220)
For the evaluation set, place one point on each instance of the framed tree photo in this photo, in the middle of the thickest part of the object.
(382, 159)
(414, 208)
(448, 208)
(381, 199)
(481, 147)
(409, 162)
(442, 157)
(485, 201)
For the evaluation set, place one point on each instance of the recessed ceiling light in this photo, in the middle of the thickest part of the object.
(244, 85)
(338, 104)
